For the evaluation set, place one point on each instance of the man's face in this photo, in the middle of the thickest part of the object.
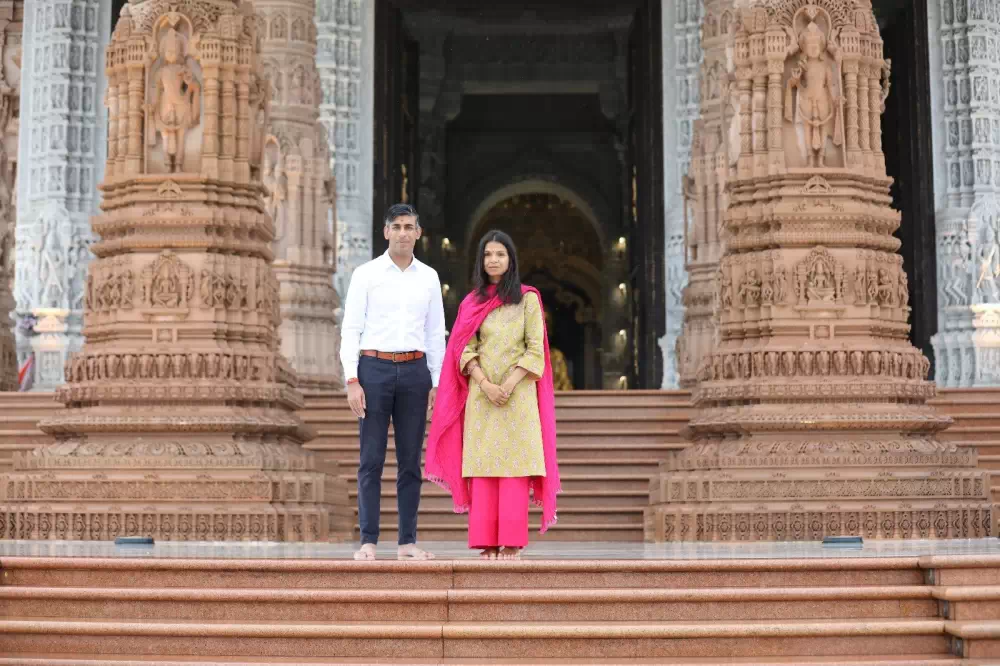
(402, 234)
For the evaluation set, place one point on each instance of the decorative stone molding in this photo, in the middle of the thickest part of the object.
(11, 23)
(684, 42)
(345, 60)
(703, 189)
(966, 62)
(61, 146)
(180, 416)
(300, 193)
(813, 397)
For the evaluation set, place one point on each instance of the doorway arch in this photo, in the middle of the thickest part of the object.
(561, 253)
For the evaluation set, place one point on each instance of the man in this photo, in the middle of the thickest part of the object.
(392, 347)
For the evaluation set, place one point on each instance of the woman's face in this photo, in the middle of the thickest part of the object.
(495, 260)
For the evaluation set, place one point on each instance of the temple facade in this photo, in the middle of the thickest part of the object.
(603, 136)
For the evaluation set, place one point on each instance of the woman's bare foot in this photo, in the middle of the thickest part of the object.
(489, 554)
(510, 553)
(366, 552)
(411, 552)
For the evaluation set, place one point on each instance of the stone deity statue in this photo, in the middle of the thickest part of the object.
(176, 100)
(811, 98)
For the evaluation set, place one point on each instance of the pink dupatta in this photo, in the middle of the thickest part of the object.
(444, 444)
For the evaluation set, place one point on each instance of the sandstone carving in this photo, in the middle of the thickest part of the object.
(811, 416)
(301, 199)
(180, 416)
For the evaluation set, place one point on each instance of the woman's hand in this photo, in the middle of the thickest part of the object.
(494, 393)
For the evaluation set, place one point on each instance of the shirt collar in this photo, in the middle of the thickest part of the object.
(388, 263)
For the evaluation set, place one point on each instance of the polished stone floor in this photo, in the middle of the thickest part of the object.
(539, 551)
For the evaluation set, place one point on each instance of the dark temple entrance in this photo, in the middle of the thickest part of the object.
(543, 119)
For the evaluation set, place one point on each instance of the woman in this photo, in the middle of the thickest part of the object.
(493, 435)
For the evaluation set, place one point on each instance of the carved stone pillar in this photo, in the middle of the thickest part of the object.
(179, 420)
(965, 68)
(297, 175)
(11, 22)
(810, 415)
(345, 60)
(62, 151)
(682, 95)
(705, 198)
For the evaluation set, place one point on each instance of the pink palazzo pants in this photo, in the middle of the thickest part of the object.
(498, 515)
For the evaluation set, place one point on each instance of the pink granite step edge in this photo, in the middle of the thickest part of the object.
(481, 596)
(512, 630)
(467, 566)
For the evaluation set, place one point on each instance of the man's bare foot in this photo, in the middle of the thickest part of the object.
(489, 554)
(411, 552)
(510, 553)
(366, 552)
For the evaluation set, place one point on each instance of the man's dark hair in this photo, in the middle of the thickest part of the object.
(509, 289)
(400, 210)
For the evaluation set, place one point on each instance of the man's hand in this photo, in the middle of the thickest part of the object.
(430, 400)
(356, 399)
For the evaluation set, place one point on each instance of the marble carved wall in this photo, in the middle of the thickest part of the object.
(11, 23)
(61, 151)
(966, 98)
(296, 171)
(345, 57)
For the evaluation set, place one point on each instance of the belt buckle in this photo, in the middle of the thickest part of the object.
(400, 354)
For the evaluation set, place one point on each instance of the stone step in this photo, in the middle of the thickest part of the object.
(25, 659)
(600, 412)
(621, 517)
(611, 481)
(456, 529)
(292, 574)
(785, 638)
(433, 497)
(964, 603)
(632, 398)
(579, 605)
(571, 450)
(643, 468)
(345, 442)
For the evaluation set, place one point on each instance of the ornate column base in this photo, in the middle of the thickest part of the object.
(788, 486)
(967, 352)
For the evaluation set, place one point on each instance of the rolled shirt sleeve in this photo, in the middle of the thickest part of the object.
(533, 359)
(434, 330)
(353, 324)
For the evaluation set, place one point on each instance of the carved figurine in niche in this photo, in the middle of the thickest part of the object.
(260, 98)
(871, 282)
(176, 98)
(277, 184)
(812, 96)
(860, 293)
(767, 288)
(904, 290)
(750, 289)
(298, 86)
(886, 288)
(780, 285)
(725, 289)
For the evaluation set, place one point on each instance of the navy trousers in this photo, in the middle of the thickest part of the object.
(395, 392)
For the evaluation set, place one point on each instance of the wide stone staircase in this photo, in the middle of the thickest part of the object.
(929, 611)
(610, 444)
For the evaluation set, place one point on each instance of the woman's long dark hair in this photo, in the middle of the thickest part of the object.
(509, 288)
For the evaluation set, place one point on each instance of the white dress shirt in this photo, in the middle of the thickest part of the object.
(392, 310)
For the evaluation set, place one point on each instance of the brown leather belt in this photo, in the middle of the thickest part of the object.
(395, 357)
